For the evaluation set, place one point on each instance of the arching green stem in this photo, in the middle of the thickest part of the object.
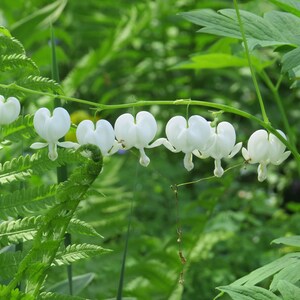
(261, 102)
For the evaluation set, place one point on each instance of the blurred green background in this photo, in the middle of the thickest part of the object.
(122, 51)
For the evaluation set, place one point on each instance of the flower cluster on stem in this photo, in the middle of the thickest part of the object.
(193, 137)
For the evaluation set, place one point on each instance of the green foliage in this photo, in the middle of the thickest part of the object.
(273, 29)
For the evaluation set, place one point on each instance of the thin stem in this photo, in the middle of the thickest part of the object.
(252, 70)
(62, 171)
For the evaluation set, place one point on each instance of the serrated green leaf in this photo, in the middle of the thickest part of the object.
(75, 252)
(274, 29)
(26, 201)
(290, 274)
(293, 241)
(290, 60)
(21, 230)
(288, 290)
(248, 293)
(292, 6)
(79, 283)
(268, 270)
(77, 226)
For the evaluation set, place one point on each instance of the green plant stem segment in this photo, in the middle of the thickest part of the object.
(62, 172)
(225, 108)
(261, 102)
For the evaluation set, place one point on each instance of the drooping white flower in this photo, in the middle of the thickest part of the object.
(51, 129)
(221, 144)
(102, 136)
(136, 132)
(264, 149)
(187, 136)
(9, 110)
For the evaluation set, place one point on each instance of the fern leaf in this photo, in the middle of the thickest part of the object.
(25, 201)
(22, 167)
(75, 252)
(41, 84)
(54, 296)
(9, 262)
(14, 294)
(81, 227)
(20, 129)
(4, 31)
(10, 45)
(18, 62)
(21, 230)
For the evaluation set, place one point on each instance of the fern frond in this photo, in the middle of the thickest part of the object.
(78, 226)
(9, 262)
(54, 296)
(18, 62)
(10, 45)
(22, 167)
(27, 201)
(4, 31)
(75, 252)
(20, 129)
(14, 294)
(41, 84)
(21, 230)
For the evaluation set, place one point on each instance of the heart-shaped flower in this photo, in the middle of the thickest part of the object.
(136, 132)
(102, 136)
(264, 149)
(187, 136)
(221, 144)
(9, 110)
(51, 129)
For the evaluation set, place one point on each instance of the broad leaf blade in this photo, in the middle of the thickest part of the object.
(293, 241)
(288, 290)
(268, 270)
(248, 293)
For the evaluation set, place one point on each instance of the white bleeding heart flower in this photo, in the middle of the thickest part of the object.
(221, 144)
(187, 136)
(51, 129)
(136, 132)
(264, 149)
(102, 136)
(9, 110)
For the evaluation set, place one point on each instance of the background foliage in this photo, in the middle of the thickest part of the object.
(117, 52)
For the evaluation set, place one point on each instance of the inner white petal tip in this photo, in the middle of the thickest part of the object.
(218, 171)
(144, 159)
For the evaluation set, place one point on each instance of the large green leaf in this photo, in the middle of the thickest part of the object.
(290, 273)
(273, 29)
(268, 270)
(288, 290)
(248, 293)
(293, 241)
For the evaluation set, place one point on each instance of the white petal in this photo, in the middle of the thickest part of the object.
(144, 159)
(52, 154)
(125, 130)
(146, 128)
(9, 110)
(218, 171)
(258, 146)
(105, 136)
(246, 155)
(176, 132)
(277, 148)
(188, 161)
(39, 122)
(82, 130)
(235, 149)
(68, 145)
(58, 125)
(262, 172)
(283, 157)
(38, 145)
